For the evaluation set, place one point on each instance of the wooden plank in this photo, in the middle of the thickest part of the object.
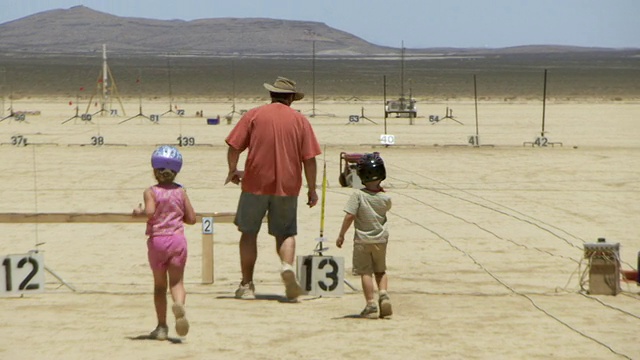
(52, 218)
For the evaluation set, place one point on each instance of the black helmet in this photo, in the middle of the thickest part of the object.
(371, 168)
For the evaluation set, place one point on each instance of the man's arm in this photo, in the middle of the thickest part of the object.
(310, 174)
(234, 176)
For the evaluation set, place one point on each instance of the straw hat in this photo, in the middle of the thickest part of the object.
(284, 86)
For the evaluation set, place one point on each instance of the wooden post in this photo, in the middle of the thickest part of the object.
(207, 250)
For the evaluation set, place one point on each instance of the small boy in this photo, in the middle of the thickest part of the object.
(368, 208)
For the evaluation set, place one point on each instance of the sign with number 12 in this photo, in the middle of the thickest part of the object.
(21, 273)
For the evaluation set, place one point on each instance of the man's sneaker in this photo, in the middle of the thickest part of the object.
(385, 305)
(369, 312)
(160, 333)
(246, 291)
(182, 324)
(292, 289)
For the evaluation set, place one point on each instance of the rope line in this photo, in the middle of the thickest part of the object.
(512, 290)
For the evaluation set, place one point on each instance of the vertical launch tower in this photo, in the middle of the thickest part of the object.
(105, 88)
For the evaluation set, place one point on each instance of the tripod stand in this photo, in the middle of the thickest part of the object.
(170, 91)
(76, 116)
(11, 113)
(356, 118)
(229, 116)
(362, 116)
(449, 115)
(140, 113)
(84, 117)
(103, 89)
(168, 111)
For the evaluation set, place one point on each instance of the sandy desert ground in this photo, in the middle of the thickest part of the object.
(485, 256)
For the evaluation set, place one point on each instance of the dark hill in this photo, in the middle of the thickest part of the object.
(81, 29)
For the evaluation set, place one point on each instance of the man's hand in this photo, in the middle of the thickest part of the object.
(340, 241)
(312, 198)
(234, 176)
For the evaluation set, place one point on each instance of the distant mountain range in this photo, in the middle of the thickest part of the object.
(81, 30)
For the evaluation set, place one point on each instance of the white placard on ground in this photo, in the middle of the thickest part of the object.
(22, 273)
(387, 139)
(321, 275)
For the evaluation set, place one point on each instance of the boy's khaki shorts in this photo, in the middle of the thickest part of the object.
(369, 258)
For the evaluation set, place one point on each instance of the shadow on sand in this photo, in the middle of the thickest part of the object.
(148, 337)
(260, 297)
(358, 317)
(270, 297)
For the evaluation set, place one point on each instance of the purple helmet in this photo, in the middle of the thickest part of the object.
(167, 157)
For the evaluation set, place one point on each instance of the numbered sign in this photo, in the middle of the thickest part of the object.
(207, 225)
(113, 112)
(86, 117)
(21, 274)
(97, 140)
(354, 118)
(386, 139)
(186, 141)
(321, 275)
(18, 140)
(154, 118)
(473, 140)
(541, 141)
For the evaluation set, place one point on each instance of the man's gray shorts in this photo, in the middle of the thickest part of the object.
(281, 214)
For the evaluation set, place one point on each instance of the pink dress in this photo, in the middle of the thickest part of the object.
(167, 244)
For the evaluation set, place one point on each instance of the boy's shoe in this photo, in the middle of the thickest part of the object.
(160, 333)
(182, 324)
(292, 289)
(385, 305)
(369, 312)
(246, 291)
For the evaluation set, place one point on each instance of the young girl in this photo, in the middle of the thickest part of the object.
(167, 208)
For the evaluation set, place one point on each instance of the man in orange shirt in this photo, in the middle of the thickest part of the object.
(281, 145)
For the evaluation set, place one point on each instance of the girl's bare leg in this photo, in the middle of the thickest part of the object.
(160, 295)
(178, 293)
(176, 283)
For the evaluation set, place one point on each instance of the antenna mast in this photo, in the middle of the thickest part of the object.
(105, 76)
(402, 72)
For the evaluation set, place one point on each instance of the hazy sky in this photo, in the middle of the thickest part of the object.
(417, 23)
